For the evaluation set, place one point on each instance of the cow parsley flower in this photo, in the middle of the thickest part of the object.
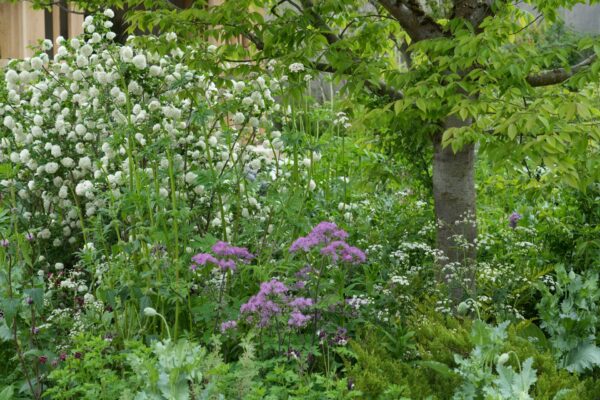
(296, 67)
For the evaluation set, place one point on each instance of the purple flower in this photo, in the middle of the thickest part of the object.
(227, 325)
(323, 233)
(341, 337)
(227, 265)
(29, 236)
(266, 303)
(42, 359)
(224, 249)
(203, 259)
(298, 319)
(227, 254)
(514, 218)
(4, 243)
(304, 272)
(300, 303)
(342, 250)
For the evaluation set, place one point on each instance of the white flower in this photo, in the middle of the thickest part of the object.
(36, 63)
(171, 36)
(296, 67)
(24, 156)
(155, 70)
(59, 266)
(238, 118)
(47, 45)
(111, 35)
(503, 359)
(55, 151)
(150, 312)
(139, 61)
(51, 167)
(238, 86)
(312, 185)
(80, 129)
(109, 13)
(88, 298)
(9, 122)
(63, 192)
(67, 162)
(190, 177)
(212, 48)
(83, 188)
(126, 53)
(85, 163)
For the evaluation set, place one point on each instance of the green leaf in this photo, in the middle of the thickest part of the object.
(529, 330)
(37, 295)
(10, 308)
(5, 333)
(7, 393)
(512, 131)
(437, 366)
(421, 105)
(585, 356)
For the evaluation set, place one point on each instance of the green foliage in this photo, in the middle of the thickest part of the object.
(570, 317)
(177, 174)
(93, 369)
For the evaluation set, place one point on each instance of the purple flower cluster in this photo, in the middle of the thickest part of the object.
(227, 257)
(227, 325)
(272, 300)
(333, 240)
(342, 250)
(514, 219)
(323, 233)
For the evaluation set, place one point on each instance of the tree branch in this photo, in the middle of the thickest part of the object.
(413, 19)
(473, 11)
(558, 75)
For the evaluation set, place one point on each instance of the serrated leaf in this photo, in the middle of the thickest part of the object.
(585, 356)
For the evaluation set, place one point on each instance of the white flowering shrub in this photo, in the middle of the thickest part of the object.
(104, 129)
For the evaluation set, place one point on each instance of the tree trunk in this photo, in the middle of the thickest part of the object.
(454, 199)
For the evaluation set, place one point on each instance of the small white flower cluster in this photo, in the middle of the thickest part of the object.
(359, 301)
(399, 280)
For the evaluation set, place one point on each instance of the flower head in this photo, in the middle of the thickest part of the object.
(341, 250)
(323, 233)
(514, 218)
(227, 325)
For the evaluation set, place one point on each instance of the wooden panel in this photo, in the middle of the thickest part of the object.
(33, 27)
(75, 21)
(10, 31)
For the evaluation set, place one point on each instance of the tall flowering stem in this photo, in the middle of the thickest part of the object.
(225, 257)
(331, 240)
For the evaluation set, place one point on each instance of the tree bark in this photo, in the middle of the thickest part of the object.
(454, 201)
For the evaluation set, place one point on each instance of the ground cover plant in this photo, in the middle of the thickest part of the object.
(187, 220)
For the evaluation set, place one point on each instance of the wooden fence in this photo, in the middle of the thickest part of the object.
(21, 27)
